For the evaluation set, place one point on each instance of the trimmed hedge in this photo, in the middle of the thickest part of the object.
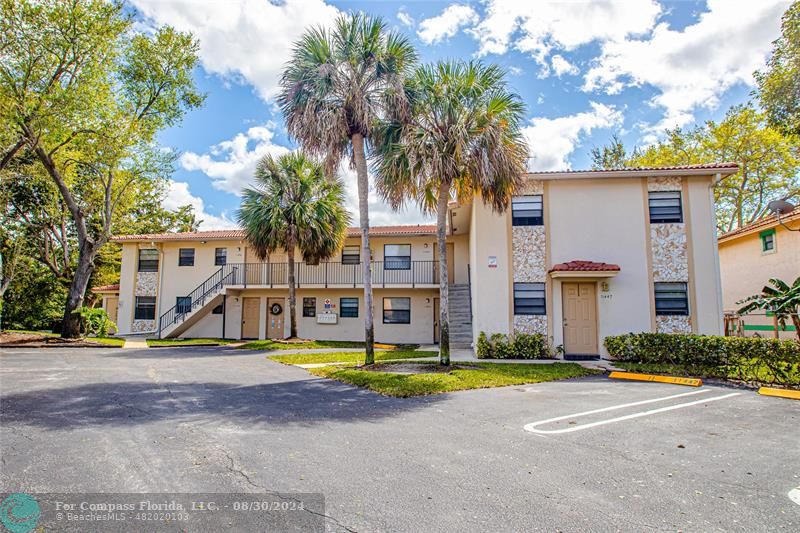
(749, 359)
(521, 346)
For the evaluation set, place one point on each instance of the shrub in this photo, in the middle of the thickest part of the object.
(520, 346)
(743, 358)
(528, 346)
(94, 321)
(483, 348)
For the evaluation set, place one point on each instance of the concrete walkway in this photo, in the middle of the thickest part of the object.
(137, 343)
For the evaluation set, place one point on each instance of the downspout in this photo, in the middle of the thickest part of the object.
(160, 247)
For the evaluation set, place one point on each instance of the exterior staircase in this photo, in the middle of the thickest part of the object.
(460, 314)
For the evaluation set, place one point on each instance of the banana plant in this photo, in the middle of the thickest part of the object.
(777, 297)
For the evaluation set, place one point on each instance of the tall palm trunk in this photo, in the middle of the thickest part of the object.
(366, 259)
(290, 244)
(444, 283)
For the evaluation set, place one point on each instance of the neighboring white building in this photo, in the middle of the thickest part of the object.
(579, 256)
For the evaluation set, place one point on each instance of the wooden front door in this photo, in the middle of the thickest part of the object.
(112, 303)
(436, 320)
(275, 313)
(251, 312)
(580, 318)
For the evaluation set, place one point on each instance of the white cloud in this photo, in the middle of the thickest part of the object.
(246, 40)
(179, 195)
(230, 164)
(446, 24)
(404, 18)
(538, 28)
(552, 140)
(692, 67)
(561, 66)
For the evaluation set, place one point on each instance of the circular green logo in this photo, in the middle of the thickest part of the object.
(19, 512)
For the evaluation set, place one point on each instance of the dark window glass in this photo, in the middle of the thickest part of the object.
(397, 257)
(309, 307)
(145, 308)
(186, 257)
(397, 310)
(351, 255)
(529, 299)
(217, 310)
(148, 260)
(183, 304)
(220, 256)
(671, 299)
(348, 307)
(665, 206)
(768, 241)
(527, 210)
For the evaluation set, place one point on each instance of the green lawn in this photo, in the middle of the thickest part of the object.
(347, 357)
(310, 345)
(188, 342)
(787, 375)
(485, 376)
(110, 341)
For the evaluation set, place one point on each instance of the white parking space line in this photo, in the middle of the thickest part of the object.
(533, 426)
(794, 495)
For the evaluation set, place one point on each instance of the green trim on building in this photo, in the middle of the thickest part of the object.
(759, 327)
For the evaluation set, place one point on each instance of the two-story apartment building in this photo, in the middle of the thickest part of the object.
(579, 256)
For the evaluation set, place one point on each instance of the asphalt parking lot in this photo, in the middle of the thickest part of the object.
(582, 455)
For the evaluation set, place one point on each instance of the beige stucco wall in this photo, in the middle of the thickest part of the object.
(602, 220)
(705, 285)
(746, 269)
(490, 237)
(127, 287)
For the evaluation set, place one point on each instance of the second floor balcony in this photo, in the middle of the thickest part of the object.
(393, 273)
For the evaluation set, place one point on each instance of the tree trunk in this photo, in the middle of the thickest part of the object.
(444, 283)
(292, 291)
(366, 260)
(71, 326)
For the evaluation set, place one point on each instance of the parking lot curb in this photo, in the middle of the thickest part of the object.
(780, 393)
(674, 380)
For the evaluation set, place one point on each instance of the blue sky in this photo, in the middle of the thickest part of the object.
(585, 70)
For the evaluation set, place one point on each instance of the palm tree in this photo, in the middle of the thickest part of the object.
(294, 204)
(781, 299)
(461, 137)
(336, 86)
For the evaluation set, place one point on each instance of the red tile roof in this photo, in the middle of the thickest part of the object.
(106, 288)
(584, 266)
(721, 168)
(237, 234)
(764, 223)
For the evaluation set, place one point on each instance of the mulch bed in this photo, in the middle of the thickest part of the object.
(32, 340)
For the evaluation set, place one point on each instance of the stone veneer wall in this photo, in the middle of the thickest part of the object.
(528, 262)
(146, 285)
(669, 253)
